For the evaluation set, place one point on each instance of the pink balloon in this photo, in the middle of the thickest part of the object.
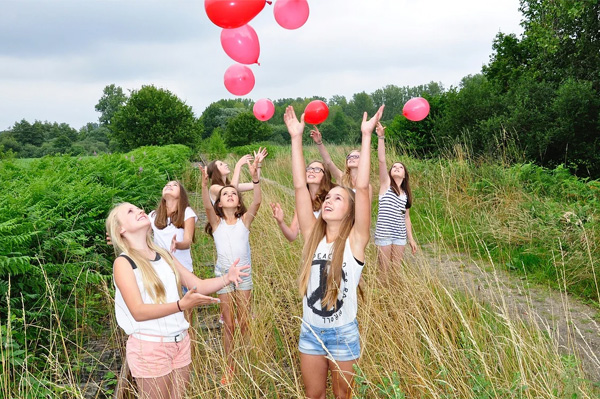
(316, 112)
(416, 109)
(241, 44)
(263, 109)
(291, 14)
(239, 80)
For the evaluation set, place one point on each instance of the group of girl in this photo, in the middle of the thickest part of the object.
(155, 284)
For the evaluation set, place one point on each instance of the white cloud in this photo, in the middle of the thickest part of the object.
(57, 56)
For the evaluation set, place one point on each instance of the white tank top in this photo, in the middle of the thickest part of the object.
(232, 242)
(163, 237)
(347, 303)
(167, 326)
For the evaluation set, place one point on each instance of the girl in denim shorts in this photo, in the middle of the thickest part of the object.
(149, 305)
(332, 263)
(229, 225)
(393, 229)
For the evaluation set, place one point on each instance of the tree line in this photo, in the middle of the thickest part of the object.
(537, 99)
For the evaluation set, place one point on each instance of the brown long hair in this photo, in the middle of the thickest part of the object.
(347, 178)
(241, 210)
(324, 187)
(152, 283)
(215, 176)
(334, 273)
(178, 216)
(405, 185)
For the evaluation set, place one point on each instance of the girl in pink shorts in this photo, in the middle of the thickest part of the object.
(149, 305)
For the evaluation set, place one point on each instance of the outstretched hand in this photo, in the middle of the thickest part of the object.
(315, 134)
(277, 212)
(367, 126)
(204, 176)
(261, 154)
(244, 160)
(235, 274)
(192, 299)
(380, 130)
(295, 127)
(253, 168)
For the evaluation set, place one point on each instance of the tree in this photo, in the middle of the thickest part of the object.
(154, 116)
(245, 129)
(111, 101)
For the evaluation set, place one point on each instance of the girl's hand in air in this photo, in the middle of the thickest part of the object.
(380, 130)
(277, 212)
(295, 127)
(367, 126)
(235, 273)
(315, 134)
(192, 299)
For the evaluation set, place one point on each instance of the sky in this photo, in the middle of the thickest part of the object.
(56, 56)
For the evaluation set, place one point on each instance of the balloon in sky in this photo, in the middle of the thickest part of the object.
(416, 109)
(291, 14)
(241, 44)
(239, 80)
(231, 14)
(316, 112)
(263, 109)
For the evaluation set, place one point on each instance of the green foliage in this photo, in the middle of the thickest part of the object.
(53, 254)
(154, 116)
(244, 129)
(113, 98)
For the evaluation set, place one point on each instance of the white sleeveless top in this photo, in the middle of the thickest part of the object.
(347, 303)
(232, 242)
(167, 326)
(163, 237)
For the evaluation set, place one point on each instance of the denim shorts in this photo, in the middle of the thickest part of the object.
(384, 242)
(340, 343)
(245, 285)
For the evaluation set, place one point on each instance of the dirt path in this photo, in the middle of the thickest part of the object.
(573, 325)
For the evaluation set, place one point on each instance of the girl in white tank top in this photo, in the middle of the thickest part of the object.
(149, 305)
(229, 225)
(332, 262)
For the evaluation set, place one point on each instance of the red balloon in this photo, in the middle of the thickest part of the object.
(316, 112)
(263, 109)
(239, 80)
(291, 14)
(231, 14)
(241, 44)
(416, 109)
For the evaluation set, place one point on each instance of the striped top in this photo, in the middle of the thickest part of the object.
(391, 218)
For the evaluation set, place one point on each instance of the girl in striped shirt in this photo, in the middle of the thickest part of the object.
(393, 229)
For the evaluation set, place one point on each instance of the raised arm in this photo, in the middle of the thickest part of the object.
(289, 232)
(249, 216)
(303, 201)
(235, 179)
(384, 178)
(318, 139)
(362, 223)
(212, 217)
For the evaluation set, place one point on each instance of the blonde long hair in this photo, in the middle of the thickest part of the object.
(152, 283)
(334, 272)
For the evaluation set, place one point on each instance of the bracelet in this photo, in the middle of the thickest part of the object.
(179, 307)
(259, 164)
(255, 182)
(319, 143)
(380, 137)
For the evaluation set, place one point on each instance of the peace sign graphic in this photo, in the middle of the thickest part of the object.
(319, 293)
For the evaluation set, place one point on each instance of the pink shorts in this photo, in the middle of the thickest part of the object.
(156, 359)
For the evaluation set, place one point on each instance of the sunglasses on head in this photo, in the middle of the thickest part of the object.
(315, 169)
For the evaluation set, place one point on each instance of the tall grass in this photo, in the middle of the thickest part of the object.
(420, 338)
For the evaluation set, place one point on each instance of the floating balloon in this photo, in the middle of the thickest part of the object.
(416, 109)
(239, 80)
(231, 14)
(263, 109)
(291, 14)
(316, 112)
(241, 44)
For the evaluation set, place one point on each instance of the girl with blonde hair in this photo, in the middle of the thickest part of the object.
(332, 262)
(149, 306)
